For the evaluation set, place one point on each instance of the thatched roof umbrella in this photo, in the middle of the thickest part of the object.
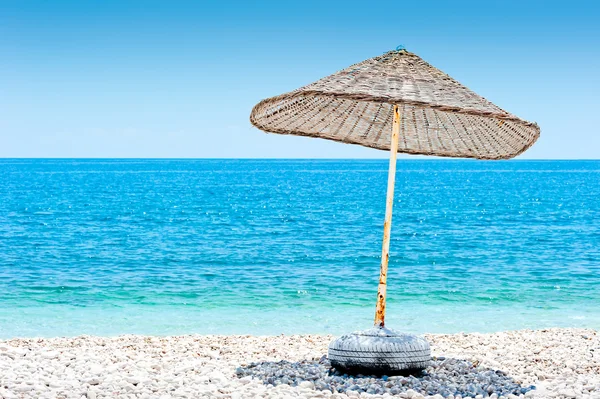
(395, 101)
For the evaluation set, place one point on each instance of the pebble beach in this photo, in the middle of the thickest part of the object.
(551, 363)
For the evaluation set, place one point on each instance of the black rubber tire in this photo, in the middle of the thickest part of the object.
(380, 351)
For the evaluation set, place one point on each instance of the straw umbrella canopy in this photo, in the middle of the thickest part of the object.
(439, 115)
(397, 102)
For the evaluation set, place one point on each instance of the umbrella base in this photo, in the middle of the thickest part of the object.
(380, 351)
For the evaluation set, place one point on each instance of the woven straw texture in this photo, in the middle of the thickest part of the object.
(439, 116)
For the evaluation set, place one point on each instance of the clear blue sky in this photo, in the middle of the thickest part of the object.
(179, 78)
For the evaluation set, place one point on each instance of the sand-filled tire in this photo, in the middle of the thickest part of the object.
(379, 351)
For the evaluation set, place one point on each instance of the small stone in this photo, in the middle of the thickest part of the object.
(132, 380)
(567, 393)
(23, 388)
(246, 380)
(95, 368)
(217, 376)
(7, 394)
(49, 355)
(307, 385)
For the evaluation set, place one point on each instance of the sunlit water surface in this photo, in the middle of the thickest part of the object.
(283, 246)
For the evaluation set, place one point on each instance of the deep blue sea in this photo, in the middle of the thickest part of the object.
(164, 247)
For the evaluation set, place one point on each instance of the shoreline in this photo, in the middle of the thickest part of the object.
(560, 362)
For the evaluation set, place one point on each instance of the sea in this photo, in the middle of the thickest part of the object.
(266, 247)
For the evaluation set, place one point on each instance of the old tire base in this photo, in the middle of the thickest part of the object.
(380, 351)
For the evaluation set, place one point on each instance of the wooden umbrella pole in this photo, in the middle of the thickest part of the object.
(387, 225)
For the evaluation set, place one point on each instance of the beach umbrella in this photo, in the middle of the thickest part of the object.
(400, 103)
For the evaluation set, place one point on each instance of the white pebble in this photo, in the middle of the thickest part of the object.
(306, 385)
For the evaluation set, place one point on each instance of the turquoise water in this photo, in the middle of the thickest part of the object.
(292, 246)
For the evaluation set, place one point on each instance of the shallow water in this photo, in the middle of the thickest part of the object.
(292, 246)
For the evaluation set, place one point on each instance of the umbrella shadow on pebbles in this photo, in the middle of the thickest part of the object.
(445, 376)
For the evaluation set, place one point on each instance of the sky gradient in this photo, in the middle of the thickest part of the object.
(178, 79)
